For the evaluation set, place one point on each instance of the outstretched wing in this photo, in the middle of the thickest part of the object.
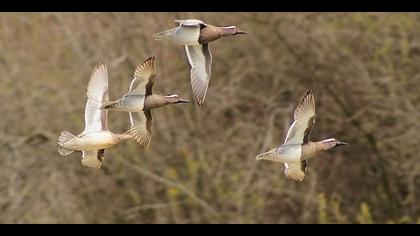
(300, 131)
(144, 77)
(141, 127)
(296, 170)
(200, 59)
(97, 92)
(93, 159)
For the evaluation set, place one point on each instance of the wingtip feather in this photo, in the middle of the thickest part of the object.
(146, 69)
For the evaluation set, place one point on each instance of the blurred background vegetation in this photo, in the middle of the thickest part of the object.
(200, 166)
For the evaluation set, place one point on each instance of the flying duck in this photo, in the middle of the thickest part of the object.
(96, 137)
(141, 100)
(297, 149)
(195, 36)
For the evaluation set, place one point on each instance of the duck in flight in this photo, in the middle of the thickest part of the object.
(96, 137)
(140, 100)
(297, 149)
(196, 35)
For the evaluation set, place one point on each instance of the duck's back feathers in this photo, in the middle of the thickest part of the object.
(186, 33)
(181, 35)
(190, 23)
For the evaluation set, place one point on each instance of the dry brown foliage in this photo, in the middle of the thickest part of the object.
(200, 166)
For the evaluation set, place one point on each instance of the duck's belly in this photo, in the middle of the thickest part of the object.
(290, 153)
(93, 141)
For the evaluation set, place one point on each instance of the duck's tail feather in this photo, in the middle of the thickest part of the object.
(164, 34)
(64, 137)
(270, 155)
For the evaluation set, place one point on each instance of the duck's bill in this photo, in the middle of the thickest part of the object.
(339, 143)
(181, 100)
(241, 32)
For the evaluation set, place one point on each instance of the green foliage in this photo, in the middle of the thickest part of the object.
(364, 216)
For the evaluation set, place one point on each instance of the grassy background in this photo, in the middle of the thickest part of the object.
(200, 166)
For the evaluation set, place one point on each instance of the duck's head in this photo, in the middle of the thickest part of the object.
(232, 30)
(174, 99)
(331, 143)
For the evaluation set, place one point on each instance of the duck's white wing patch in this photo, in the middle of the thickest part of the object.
(299, 132)
(200, 60)
(141, 128)
(130, 115)
(132, 84)
(97, 92)
(295, 170)
(92, 159)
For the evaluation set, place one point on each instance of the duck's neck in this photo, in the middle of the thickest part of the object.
(311, 149)
(155, 101)
(211, 33)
